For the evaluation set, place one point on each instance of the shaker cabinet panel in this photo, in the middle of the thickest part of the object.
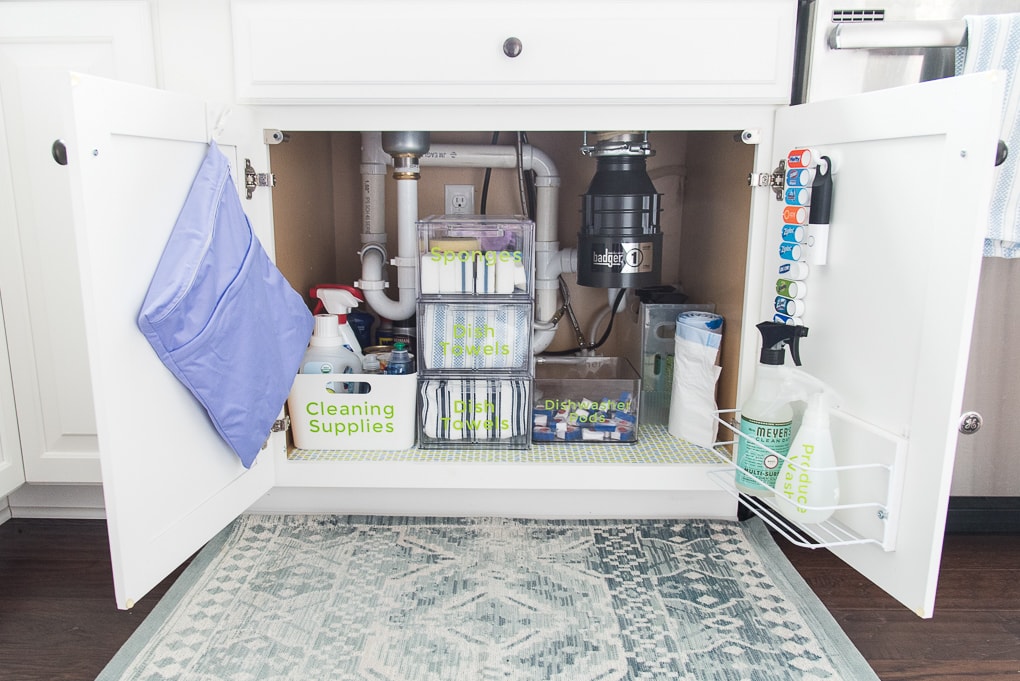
(169, 480)
(39, 43)
(12, 474)
(398, 50)
(891, 306)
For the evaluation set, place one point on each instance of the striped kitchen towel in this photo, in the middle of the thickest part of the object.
(474, 410)
(993, 43)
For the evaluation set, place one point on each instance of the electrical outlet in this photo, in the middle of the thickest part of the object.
(460, 199)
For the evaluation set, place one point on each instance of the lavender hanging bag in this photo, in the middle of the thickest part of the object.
(221, 316)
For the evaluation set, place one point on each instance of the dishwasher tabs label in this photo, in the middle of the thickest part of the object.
(350, 419)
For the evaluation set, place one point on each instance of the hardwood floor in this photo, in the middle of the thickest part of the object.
(58, 621)
(975, 633)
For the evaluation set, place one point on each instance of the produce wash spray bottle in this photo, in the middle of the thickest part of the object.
(807, 489)
(766, 418)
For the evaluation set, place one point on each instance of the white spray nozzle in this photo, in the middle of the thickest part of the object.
(800, 386)
(337, 300)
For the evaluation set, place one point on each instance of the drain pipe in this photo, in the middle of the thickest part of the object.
(550, 261)
(404, 149)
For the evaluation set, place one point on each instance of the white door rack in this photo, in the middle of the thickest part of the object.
(870, 475)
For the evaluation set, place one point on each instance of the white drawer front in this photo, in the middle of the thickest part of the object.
(319, 50)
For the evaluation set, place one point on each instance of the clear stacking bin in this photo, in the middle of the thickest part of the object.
(474, 412)
(469, 255)
(585, 399)
(462, 336)
(655, 335)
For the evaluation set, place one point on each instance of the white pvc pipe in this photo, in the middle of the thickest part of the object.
(407, 255)
(373, 191)
(547, 177)
(407, 230)
(550, 261)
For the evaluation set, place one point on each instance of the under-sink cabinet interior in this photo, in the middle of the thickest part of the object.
(318, 217)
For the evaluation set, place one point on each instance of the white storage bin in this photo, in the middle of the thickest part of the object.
(382, 416)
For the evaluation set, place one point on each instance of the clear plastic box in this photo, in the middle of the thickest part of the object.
(474, 412)
(587, 400)
(651, 342)
(463, 336)
(476, 255)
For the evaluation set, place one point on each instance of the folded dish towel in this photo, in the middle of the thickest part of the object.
(993, 43)
(474, 410)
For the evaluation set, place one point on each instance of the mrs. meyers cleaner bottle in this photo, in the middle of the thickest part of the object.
(766, 418)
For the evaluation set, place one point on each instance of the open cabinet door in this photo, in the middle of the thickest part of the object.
(890, 313)
(170, 482)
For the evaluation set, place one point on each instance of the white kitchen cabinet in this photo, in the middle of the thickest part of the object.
(909, 389)
(170, 483)
(39, 43)
(12, 472)
(535, 50)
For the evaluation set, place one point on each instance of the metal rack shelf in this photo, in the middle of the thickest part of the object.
(871, 487)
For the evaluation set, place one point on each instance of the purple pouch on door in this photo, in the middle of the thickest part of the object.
(221, 316)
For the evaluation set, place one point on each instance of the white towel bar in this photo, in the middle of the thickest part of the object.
(897, 34)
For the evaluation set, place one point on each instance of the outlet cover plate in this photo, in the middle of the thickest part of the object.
(460, 199)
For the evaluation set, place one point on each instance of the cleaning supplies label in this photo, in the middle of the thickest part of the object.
(349, 419)
(761, 465)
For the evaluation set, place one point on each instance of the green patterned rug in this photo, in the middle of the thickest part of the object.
(342, 598)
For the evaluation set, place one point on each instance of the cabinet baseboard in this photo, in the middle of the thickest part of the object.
(983, 515)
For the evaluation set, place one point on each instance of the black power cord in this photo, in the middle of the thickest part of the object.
(605, 334)
(488, 176)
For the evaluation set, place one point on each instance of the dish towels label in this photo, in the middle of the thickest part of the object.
(221, 316)
(475, 336)
(474, 410)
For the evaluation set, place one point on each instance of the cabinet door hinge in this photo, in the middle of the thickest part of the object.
(254, 180)
(774, 180)
(279, 426)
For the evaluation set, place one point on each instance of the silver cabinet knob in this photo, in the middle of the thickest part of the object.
(970, 423)
(512, 47)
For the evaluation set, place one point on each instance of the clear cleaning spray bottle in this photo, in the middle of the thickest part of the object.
(807, 488)
(766, 418)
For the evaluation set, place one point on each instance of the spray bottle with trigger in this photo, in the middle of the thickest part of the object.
(766, 418)
(807, 489)
(339, 300)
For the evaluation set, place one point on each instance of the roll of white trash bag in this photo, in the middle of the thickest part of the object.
(695, 374)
